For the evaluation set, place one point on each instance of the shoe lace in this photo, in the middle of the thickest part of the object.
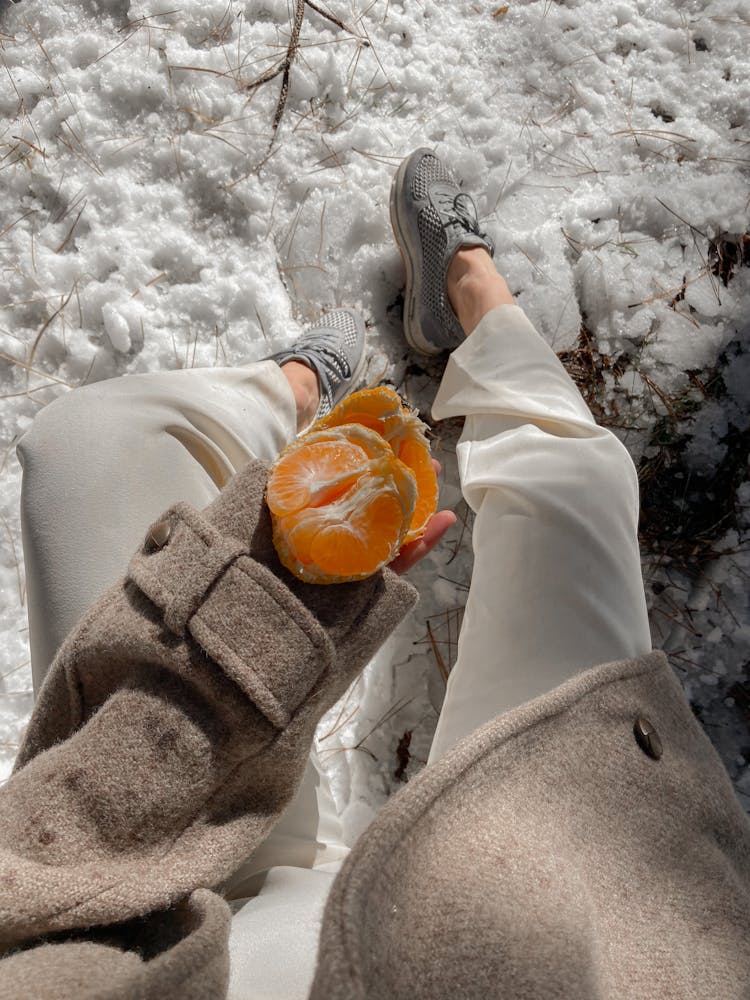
(335, 363)
(460, 211)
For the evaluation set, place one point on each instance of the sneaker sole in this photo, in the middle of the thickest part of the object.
(409, 245)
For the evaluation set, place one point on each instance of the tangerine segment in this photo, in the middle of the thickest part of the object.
(315, 475)
(383, 410)
(328, 464)
(340, 504)
(353, 546)
(379, 409)
(416, 457)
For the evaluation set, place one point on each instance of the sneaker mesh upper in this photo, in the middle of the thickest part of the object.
(339, 320)
(334, 346)
(429, 170)
(434, 243)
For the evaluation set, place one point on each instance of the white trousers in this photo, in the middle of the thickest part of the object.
(556, 586)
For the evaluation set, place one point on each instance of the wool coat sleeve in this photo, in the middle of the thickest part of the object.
(170, 734)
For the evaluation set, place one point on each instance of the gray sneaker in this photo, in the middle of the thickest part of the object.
(431, 217)
(335, 347)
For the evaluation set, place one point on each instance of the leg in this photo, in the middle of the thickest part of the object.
(179, 436)
(101, 463)
(557, 583)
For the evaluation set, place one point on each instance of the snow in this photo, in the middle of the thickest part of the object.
(147, 222)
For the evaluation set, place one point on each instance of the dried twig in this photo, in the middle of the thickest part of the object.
(44, 327)
(339, 722)
(393, 710)
(34, 371)
(331, 18)
(285, 67)
(12, 224)
(437, 654)
(70, 232)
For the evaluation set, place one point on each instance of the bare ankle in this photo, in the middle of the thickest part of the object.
(306, 388)
(469, 260)
(474, 286)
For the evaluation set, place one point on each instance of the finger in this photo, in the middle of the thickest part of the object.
(411, 554)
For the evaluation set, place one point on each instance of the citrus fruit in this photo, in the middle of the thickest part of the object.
(383, 410)
(345, 496)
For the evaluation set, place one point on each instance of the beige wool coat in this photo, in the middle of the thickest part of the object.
(587, 844)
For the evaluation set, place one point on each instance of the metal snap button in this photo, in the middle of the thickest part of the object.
(647, 738)
(159, 535)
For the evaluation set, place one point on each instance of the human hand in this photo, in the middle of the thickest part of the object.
(437, 526)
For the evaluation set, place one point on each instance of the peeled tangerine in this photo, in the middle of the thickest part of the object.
(345, 496)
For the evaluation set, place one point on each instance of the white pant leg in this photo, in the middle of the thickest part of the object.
(100, 464)
(273, 942)
(557, 585)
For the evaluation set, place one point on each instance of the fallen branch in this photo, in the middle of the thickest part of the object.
(285, 67)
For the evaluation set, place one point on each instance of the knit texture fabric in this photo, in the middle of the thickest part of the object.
(547, 857)
(172, 730)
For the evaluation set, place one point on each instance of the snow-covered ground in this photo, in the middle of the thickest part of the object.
(149, 222)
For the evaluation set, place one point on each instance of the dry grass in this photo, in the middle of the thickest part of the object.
(441, 637)
(394, 709)
(684, 513)
(586, 366)
(726, 253)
